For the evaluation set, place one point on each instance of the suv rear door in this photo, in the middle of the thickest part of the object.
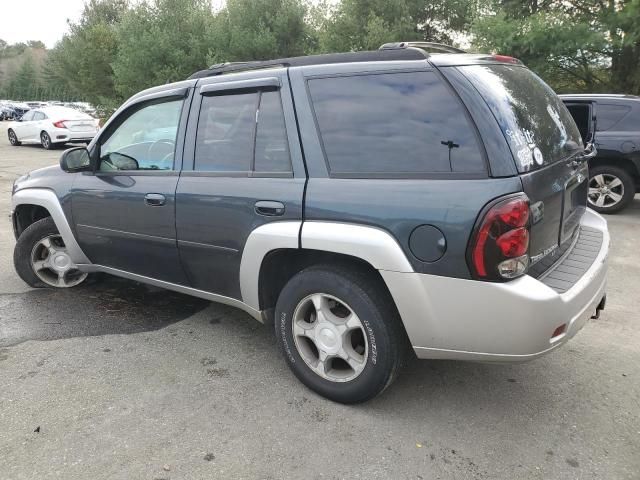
(243, 168)
(584, 114)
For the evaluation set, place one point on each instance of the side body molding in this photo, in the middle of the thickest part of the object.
(48, 199)
(371, 244)
(262, 240)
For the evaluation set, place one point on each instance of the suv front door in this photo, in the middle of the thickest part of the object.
(124, 211)
(243, 168)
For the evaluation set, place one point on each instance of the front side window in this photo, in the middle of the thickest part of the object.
(27, 117)
(398, 124)
(145, 140)
(38, 116)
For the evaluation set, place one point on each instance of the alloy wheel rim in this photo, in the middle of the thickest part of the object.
(12, 137)
(52, 263)
(45, 140)
(330, 337)
(605, 190)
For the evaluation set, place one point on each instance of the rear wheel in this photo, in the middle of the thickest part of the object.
(610, 189)
(45, 140)
(41, 258)
(13, 138)
(340, 333)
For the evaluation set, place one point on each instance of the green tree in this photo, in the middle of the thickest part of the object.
(250, 30)
(24, 84)
(575, 45)
(366, 24)
(162, 41)
(37, 44)
(81, 61)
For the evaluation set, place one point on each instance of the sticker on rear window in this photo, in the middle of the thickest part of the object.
(537, 155)
(525, 157)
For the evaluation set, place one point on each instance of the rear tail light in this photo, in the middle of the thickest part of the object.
(500, 244)
(60, 124)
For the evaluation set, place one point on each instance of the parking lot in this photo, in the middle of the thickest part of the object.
(119, 380)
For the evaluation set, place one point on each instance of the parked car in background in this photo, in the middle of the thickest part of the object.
(614, 121)
(7, 112)
(360, 202)
(36, 104)
(20, 109)
(51, 126)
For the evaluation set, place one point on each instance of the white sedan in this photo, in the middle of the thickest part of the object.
(52, 125)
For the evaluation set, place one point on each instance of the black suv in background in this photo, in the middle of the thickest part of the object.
(615, 171)
(360, 202)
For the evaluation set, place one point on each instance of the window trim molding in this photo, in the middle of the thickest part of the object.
(135, 173)
(227, 88)
(242, 87)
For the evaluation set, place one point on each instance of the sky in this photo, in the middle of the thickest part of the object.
(44, 20)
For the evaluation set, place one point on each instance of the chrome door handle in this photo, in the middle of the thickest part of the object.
(155, 199)
(269, 208)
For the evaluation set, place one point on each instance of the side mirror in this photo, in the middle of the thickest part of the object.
(75, 160)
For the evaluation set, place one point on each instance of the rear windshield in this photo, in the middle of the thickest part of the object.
(537, 125)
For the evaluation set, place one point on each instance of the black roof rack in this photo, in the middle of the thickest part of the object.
(388, 54)
(438, 47)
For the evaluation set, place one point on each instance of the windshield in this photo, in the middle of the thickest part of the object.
(537, 125)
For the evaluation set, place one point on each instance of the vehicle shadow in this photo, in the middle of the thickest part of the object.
(422, 383)
(109, 306)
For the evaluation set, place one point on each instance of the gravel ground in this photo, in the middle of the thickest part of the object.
(119, 380)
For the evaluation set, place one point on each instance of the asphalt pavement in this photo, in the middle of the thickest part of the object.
(123, 381)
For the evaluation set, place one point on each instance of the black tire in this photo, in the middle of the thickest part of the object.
(627, 183)
(13, 138)
(45, 141)
(24, 247)
(372, 303)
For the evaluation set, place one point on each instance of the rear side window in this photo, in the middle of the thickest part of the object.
(537, 125)
(242, 132)
(608, 116)
(389, 125)
(225, 132)
(272, 152)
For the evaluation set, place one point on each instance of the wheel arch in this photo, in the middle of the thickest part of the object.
(624, 163)
(279, 266)
(26, 214)
(42, 200)
(276, 251)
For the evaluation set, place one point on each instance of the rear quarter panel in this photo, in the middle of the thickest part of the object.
(397, 206)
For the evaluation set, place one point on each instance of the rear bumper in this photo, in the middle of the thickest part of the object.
(452, 318)
(64, 135)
